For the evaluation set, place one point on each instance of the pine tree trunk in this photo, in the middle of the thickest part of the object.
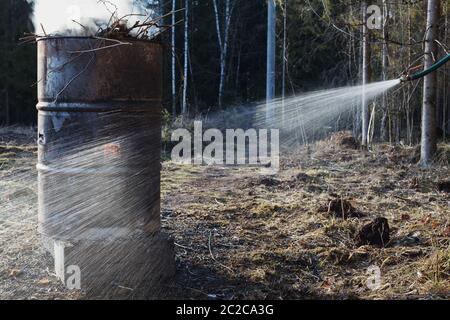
(428, 140)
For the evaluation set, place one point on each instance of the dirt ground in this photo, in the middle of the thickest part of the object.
(241, 235)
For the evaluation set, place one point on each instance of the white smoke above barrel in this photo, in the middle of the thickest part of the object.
(81, 17)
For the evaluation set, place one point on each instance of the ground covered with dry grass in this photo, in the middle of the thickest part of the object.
(25, 271)
(239, 234)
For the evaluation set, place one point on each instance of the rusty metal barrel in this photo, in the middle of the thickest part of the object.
(99, 139)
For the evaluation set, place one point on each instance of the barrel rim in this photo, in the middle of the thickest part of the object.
(146, 106)
(45, 38)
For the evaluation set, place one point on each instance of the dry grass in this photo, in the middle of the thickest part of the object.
(276, 242)
(24, 272)
(242, 235)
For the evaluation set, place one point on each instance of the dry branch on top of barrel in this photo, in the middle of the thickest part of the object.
(117, 28)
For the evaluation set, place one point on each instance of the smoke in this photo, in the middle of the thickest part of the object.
(57, 17)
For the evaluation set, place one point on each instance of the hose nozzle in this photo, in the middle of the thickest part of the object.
(405, 78)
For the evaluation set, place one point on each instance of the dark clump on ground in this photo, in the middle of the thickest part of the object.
(444, 186)
(345, 139)
(340, 208)
(303, 177)
(374, 233)
(267, 181)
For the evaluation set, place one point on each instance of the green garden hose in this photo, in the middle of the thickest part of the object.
(423, 73)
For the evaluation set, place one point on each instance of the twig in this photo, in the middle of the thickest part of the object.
(28, 39)
(165, 28)
(168, 14)
(181, 246)
(105, 3)
(111, 18)
(102, 48)
(57, 68)
(154, 22)
(73, 79)
(43, 30)
(110, 39)
(413, 202)
(126, 288)
(212, 255)
(164, 16)
(84, 27)
(131, 15)
(442, 46)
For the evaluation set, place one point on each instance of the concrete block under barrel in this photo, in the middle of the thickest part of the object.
(99, 139)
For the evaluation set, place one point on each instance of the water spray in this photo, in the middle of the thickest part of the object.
(407, 77)
(99, 140)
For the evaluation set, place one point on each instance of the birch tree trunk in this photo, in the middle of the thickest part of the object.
(271, 44)
(365, 75)
(428, 139)
(174, 80)
(223, 43)
(283, 79)
(186, 57)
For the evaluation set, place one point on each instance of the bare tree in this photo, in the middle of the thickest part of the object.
(409, 113)
(222, 36)
(174, 80)
(365, 75)
(384, 66)
(10, 36)
(271, 45)
(284, 55)
(445, 107)
(186, 57)
(428, 140)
